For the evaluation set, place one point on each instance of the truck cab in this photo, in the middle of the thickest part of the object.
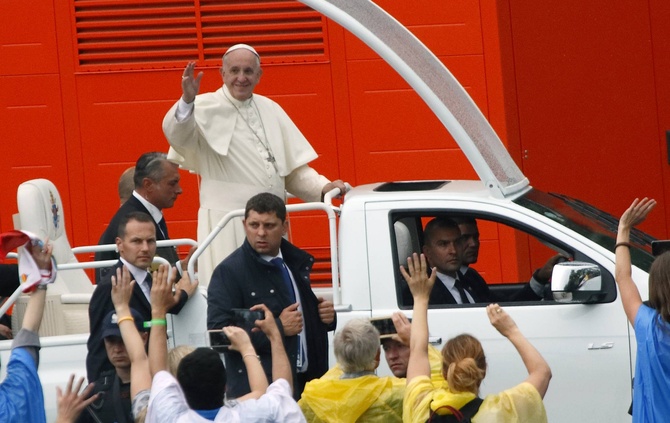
(585, 337)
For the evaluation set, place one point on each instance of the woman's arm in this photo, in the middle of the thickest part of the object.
(241, 343)
(539, 373)
(122, 290)
(630, 296)
(281, 368)
(162, 300)
(420, 285)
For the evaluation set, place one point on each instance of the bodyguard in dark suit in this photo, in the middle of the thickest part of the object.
(156, 188)
(137, 246)
(451, 247)
(268, 269)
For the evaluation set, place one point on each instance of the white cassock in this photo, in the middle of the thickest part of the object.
(231, 145)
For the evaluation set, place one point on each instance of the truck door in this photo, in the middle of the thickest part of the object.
(586, 345)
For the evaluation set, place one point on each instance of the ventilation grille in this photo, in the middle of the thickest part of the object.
(146, 34)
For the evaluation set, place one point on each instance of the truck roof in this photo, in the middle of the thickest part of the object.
(425, 190)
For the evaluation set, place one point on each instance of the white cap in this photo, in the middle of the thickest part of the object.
(242, 47)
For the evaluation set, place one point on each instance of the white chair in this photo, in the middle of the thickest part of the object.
(41, 212)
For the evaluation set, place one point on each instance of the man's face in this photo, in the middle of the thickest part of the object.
(264, 232)
(116, 352)
(397, 357)
(241, 73)
(164, 193)
(470, 237)
(138, 246)
(444, 250)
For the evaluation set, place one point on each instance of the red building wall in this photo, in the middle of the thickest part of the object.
(80, 123)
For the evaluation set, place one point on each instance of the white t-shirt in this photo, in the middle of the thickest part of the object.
(167, 404)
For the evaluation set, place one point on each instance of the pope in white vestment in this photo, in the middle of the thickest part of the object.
(240, 144)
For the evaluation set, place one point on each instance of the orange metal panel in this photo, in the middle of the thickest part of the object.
(32, 132)
(27, 38)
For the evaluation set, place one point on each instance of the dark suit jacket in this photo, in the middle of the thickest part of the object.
(9, 279)
(110, 234)
(100, 305)
(478, 288)
(244, 279)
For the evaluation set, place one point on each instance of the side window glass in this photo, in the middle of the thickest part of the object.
(498, 262)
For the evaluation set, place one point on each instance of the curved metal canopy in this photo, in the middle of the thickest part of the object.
(445, 96)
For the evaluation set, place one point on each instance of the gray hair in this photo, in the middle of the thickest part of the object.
(149, 165)
(356, 346)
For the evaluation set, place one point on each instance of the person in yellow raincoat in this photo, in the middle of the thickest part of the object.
(464, 366)
(357, 394)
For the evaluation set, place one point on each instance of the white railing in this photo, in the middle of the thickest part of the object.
(326, 206)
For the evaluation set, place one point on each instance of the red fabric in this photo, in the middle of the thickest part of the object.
(10, 241)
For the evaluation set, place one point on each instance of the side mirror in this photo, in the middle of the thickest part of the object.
(577, 282)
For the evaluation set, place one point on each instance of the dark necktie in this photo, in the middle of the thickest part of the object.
(163, 227)
(461, 291)
(279, 263)
(148, 280)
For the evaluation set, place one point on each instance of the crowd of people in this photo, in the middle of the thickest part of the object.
(276, 366)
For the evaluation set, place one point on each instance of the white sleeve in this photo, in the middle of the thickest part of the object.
(277, 404)
(305, 183)
(167, 401)
(184, 110)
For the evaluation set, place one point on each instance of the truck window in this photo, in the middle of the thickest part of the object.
(514, 262)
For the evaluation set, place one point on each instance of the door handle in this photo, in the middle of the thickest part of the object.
(603, 346)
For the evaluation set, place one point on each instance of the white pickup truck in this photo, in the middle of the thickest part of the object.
(583, 332)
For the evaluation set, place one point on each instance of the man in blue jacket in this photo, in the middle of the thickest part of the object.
(267, 269)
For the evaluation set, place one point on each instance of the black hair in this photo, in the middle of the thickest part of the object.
(266, 203)
(202, 376)
(438, 223)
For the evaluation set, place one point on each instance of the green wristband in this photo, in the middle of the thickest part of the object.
(155, 322)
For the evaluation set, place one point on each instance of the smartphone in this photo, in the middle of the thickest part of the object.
(659, 247)
(218, 340)
(245, 318)
(385, 326)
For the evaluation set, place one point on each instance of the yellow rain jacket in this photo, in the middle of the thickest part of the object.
(366, 399)
(520, 404)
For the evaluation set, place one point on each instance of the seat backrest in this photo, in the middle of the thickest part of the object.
(406, 238)
(41, 212)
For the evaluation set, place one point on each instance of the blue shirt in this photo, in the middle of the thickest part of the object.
(21, 398)
(651, 390)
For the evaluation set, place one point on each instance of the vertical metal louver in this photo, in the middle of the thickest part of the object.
(146, 34)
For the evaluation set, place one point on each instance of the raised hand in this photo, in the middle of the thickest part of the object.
(500, 320)
(190, 84)
(403, 327)
(239, 339)
(162, 298)
(267, 325)
(637, 212)
(420, 284)
(71, 403)
(41, 254)
(122, 288)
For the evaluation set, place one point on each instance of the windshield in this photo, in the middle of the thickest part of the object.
(589, 221)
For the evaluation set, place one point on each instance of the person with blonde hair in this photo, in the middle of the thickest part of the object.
(357, 394)
(651, 321)
(175, 355)
(464, 367)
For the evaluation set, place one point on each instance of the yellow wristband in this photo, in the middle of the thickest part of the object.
(124, 318)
